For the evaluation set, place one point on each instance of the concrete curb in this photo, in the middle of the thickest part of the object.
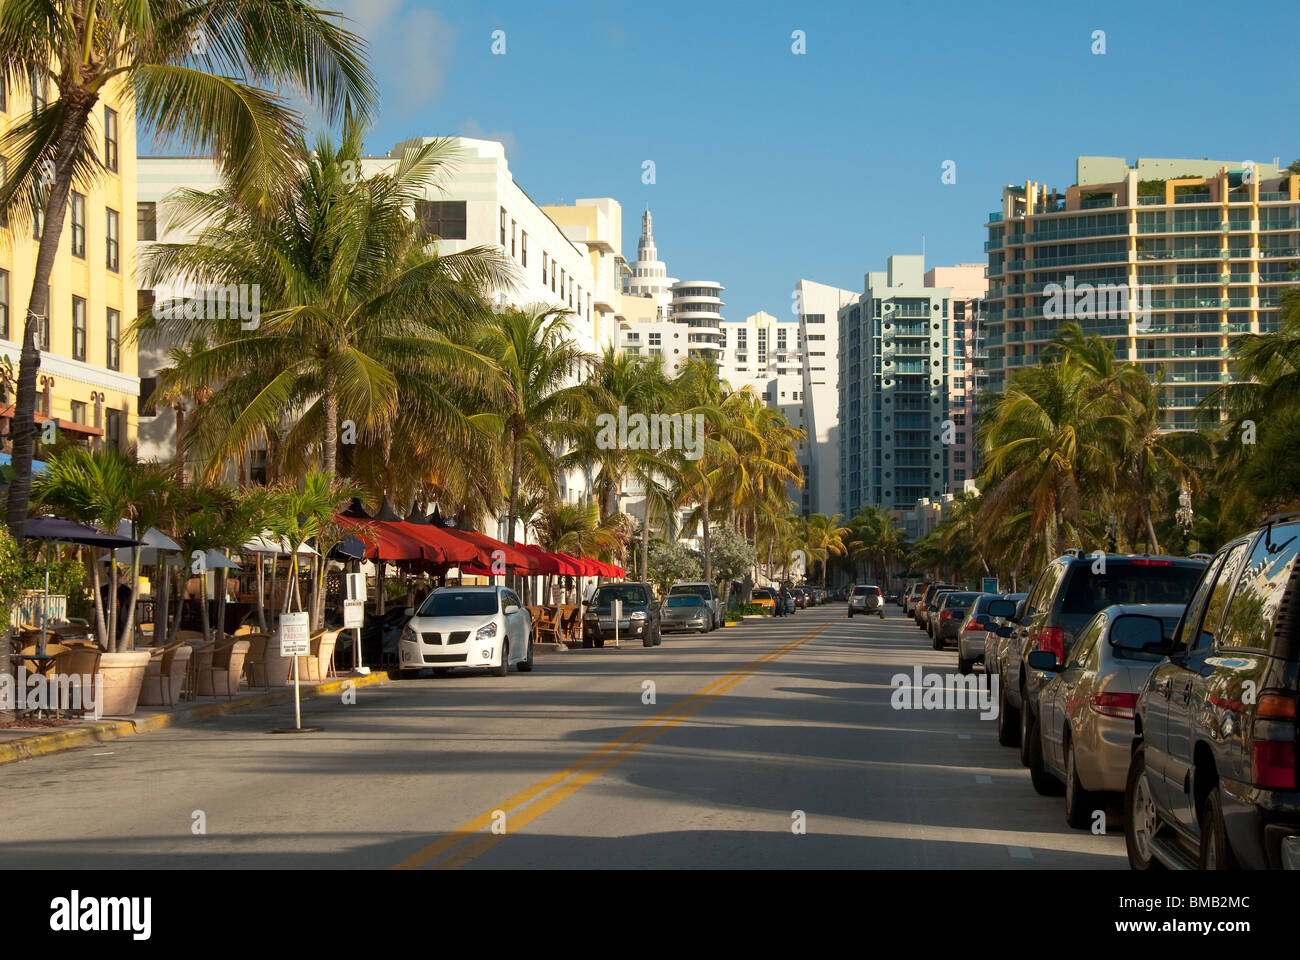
(59, 740)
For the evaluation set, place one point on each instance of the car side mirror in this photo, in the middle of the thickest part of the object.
(1044, 660)
(510, 608)
(1005, 631)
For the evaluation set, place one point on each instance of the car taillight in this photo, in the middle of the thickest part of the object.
(1150, 563)
(945, 615)
(973, 624)
(1051, 639)
(1119, 705)
(1272, 761)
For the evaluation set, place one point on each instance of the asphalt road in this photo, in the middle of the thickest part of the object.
(770, 744)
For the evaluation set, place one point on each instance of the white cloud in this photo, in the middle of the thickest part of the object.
(409, 49)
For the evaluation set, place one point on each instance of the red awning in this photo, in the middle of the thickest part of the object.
(547, 562)
(385, 544)
(514, 559)
(453, 549)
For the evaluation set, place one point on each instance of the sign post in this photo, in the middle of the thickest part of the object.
(295, 641)
(616, 610)
(354, 615)
(991, 585)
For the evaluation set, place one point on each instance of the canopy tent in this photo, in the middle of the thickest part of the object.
(514, 560)
(386, 543)
(51, 530)
(152, 542)
(281, 545)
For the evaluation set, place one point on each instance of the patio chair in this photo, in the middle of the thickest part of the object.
(166, 675)
(255, 660)
(548, 626)
(320, 664)
(82, 662)
(572, 626)
(224, 670)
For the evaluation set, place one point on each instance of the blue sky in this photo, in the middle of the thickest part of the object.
(772, 166)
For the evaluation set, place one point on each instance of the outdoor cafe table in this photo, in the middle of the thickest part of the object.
(42, 662)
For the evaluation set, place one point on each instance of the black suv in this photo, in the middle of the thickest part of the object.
(639, 619)
(1212, 782)
(1062, 600)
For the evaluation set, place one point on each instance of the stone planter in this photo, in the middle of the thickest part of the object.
(123, 675)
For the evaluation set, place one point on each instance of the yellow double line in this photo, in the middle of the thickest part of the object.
(470, 837)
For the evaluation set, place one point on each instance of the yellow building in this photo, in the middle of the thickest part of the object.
(597, 224)
(88, 381)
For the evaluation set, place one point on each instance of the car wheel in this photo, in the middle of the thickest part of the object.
(1141, 822)
(587, 643)
(1008, 720)
(598, 643)
(1216, 853)
(659, 637)
(1044, 783)
(882, 614)
(503, 667)
(526, 665)
(1079, 803)
(963, 665)
(1026, 721)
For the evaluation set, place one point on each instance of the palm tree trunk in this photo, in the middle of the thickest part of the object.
(645, 540)
(516, 470)
(704, 507)
(330, 441)
(95, 584)
(112, 604)
(22, 427)
(180, 434)
(129, 640)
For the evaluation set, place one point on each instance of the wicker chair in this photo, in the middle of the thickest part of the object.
(166, 675)
(82, 662)
(255, 660)
(320, 664)
(224, 670)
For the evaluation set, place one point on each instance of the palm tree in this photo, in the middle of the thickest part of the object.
(1044, 442)
(538, 363)
(195, 72)
(360, 323)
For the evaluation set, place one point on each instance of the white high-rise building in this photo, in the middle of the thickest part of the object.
(819, 306)
(647, 274)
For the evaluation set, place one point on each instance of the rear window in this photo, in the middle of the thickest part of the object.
(960, 601)
(859, 591)
(460, 603)
(1252, 615)
(1125, 582)
(698, 590)
(685, 600)
(763, 592)
(627, 593)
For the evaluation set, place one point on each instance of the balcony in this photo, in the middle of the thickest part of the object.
(1151, 201)
(1272, 197)
(1199, 197)
(1272, 252)
(995, 217)
(1270, 225)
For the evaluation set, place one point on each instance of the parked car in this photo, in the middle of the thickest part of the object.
(467, 627)
(639, 620)
(998, 630)
(910, 597)
(1065, 596)
(976, 637)
(928, 593)
(867, 599)
(685, 612)
(949, 615)
(800, 597)
(764, 597)
(930, 620)
(1212, 780)
(1086, 710)
(710, 596)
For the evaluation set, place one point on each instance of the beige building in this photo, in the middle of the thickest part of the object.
(88, 382)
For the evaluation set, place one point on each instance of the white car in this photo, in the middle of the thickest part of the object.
(467, 627)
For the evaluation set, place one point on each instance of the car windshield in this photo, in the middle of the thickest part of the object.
(626, 592)
(460, 603)
(1129, 583)
(690, 600)
(763, 592)
(959, 601)
(693, 589)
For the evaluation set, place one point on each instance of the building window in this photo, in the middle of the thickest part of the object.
(503, 226)
(4, 304)
(959, 383)
(444, 219)
(78, 329)
(110, 139)
(37, 83)
(110, 239)
(545, 257)
(148, 406)
(146, 221)
(512, 238)
(113, 427)
(79, 412)
(523, 247)
(78, 225)
(656, 339)
(114, 333)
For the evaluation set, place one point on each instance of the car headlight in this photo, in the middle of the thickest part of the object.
(637, 615)
(488, 632)
(408, 634)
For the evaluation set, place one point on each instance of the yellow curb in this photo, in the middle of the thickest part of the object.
(59, 740)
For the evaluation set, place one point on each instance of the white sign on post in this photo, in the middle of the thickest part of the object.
(295, 635)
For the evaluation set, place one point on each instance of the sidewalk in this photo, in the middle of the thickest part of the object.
(22, 743)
